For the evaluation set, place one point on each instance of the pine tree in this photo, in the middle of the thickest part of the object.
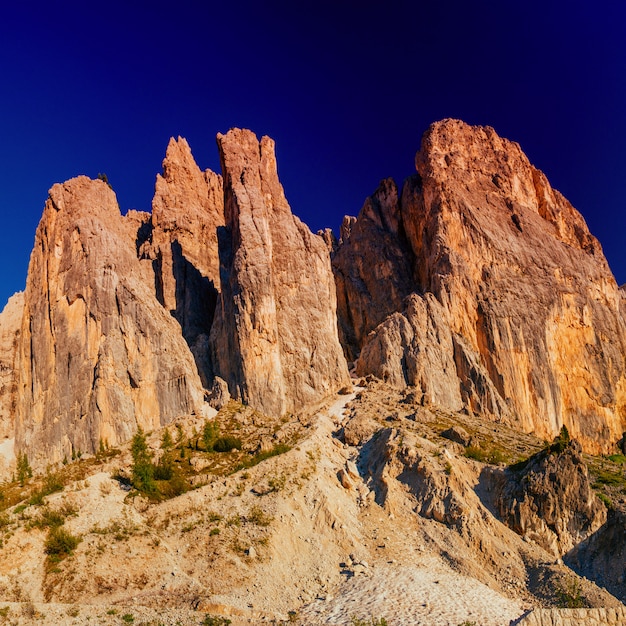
(143, 468)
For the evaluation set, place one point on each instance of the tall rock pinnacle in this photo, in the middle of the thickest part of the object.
(275, 334)
(98, 354)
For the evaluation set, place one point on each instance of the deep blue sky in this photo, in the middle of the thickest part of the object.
(345, 88)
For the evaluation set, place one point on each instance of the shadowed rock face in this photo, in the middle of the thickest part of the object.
(525, 291)
(274, 339)
(373, 268)
(98, 354)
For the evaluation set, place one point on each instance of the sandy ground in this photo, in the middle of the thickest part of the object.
(411, 596)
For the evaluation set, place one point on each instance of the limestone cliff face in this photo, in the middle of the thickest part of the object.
(187, 210)
(98, 354)
(10, 326)
(530, 303)
(274, 339)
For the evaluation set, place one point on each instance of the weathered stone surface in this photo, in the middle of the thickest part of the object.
(415, 347)
(575, 617)
(10, 326)
(274, 338)
(98, 354)
(550, 500)
(372, 267)
(458, 434)
(523, 287)
(187, 210)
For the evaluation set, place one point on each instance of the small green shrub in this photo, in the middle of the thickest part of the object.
(210, 433)
(167, 443)
(561, 441)
(23, 469)
(49, 518)
(476, 453)
(142, 469)
(128, 618)
(279, 448)
(60, 543)
(175, 486)
(164, 469)
(226, 444)
(606, 500)
(213, 620)
(571, 596)
(258, 516)
(620, 459)
(214, 531)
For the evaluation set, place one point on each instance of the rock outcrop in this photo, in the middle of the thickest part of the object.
(187, 210)
(550, 501)
(274, 338)
(522, 287)
(98, 354)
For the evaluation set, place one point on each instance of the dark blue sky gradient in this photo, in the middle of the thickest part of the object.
(345, 88)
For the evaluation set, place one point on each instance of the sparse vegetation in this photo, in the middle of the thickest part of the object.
(227, 444)
(23, 469)
(142, 469)
(215, 620)
(356, 621)
(561, 441)
(60, 543)
(259, 517)
(492, 455)
(279, 448)
(128, 618)
(167, 443)
(210, 433)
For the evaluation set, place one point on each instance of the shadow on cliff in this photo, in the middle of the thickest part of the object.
(602, 556)
(196, 299)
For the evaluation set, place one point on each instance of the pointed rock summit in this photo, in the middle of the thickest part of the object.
(513, 304)
(275, 335)
(187, 210)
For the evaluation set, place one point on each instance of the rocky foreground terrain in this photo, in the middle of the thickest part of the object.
(211, 415)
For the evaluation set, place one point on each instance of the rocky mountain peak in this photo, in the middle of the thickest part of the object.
(520, 285)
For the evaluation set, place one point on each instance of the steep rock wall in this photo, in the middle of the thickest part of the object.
(181, 241)
(98, 354)
(274, 339)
